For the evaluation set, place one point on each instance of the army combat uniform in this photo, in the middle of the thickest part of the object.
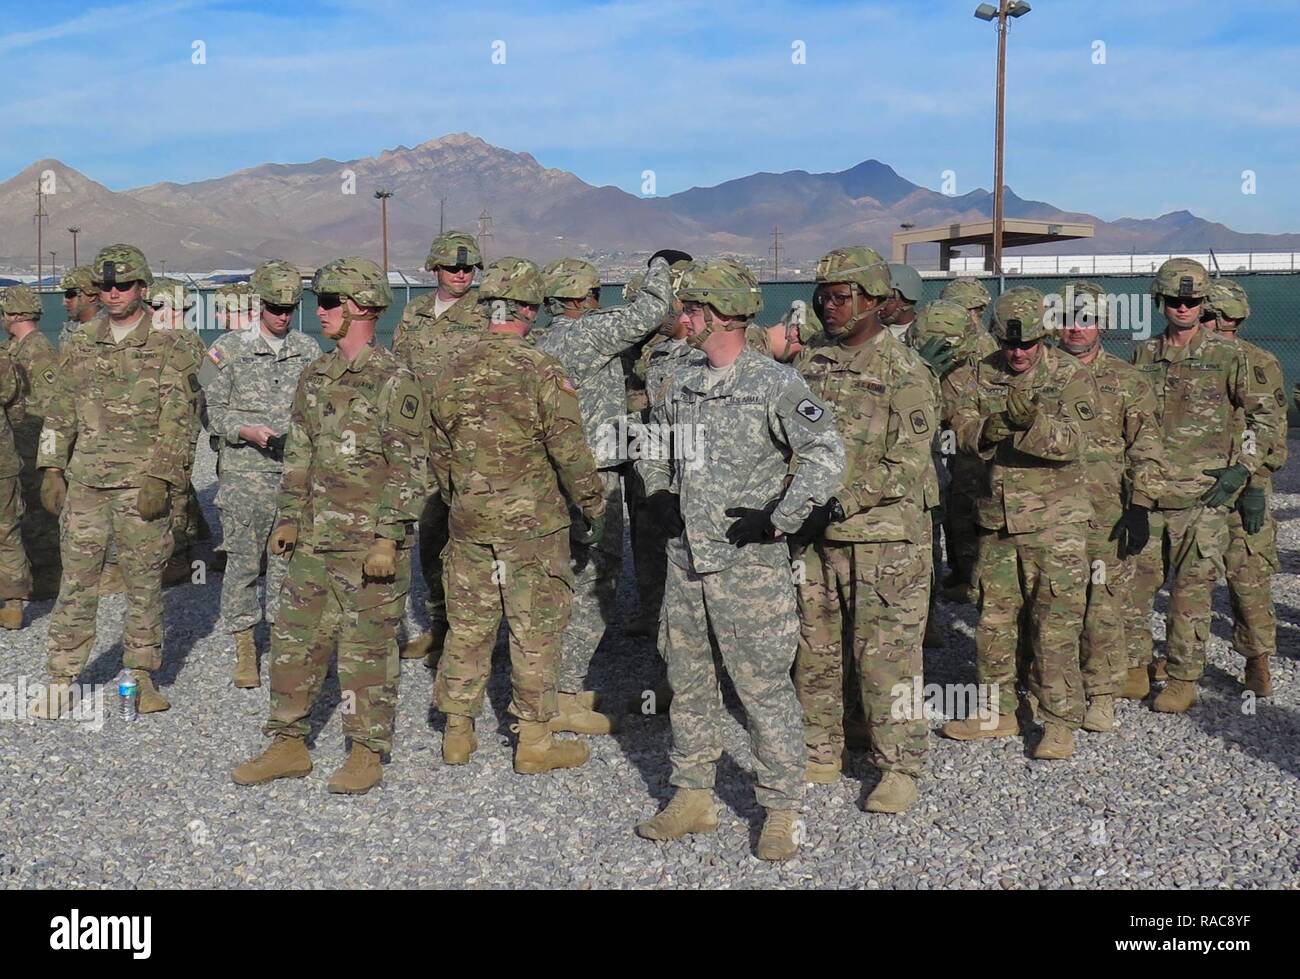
(37, 365)
(254, 384)
(15, 572)
(354, 472)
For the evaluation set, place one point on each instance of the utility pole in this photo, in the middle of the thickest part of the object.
(484, 232)
(74, 232)
(776, 252)
(54, 263)
(383, 196)
(442, 213)
(41, 218)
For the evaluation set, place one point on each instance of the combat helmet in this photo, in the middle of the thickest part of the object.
(858, 264)
(277, 283)
(1087, 302)
(727, 286)
(170, 293)
(1185, 278)
(942, 318)
(79, 277)
(120, 264)
(1019, 316)
(906, 281)
(355, 278)
(21, 300)
(453, 248)
(570, 278)
(513, 279)
(1229, 300)
(970, 293)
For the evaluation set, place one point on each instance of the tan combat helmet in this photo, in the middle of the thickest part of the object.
(1020, 316)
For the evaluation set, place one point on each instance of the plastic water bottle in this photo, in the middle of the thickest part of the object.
(127, 691)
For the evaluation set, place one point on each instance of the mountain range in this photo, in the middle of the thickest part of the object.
(310, 212)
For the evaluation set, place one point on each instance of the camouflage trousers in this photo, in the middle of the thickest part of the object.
(961, 537)
(15, 572)
(1190, 544)
(248, 515)
(649, 554)
(750, 609)
(1036, 584)
(595, 590)
(867, 602)
(327, 603)
(528, 582)
(1250, 563)
(433, 538)
(91, 518)
(188, 523)
(40, 527)
(1103, 655)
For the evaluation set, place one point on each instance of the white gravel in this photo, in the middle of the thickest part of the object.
(1209, 799)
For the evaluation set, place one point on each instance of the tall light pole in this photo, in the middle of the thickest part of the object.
(74, 232)
(54, 262)
(383, 196)
(1000, 13)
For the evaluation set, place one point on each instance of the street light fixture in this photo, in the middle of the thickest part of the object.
(1000, 13)
(383, 195)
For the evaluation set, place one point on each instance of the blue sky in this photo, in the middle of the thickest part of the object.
(1190, 95)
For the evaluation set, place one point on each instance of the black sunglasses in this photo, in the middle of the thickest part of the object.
(329, 300)
(1019, 344)
(1182, 302)
(71, 293)
(116, 286)
(275, 309)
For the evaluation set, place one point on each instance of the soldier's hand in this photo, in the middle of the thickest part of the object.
(1253, 507)
(54, 491)
(670, 255)
(1227, 482)
(381, 559)
(1021, 410)
(665, 509)
(815, 524)
(751, 526)
(153, 498)
(995, 430)
(1133, 530)
(284, 538)
(257, 435)
(939, 354)
(588, 532)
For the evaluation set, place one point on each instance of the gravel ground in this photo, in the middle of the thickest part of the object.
(1209, 799)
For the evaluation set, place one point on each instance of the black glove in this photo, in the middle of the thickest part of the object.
(1226, 484)
(815, 524)
(275, 446)
(670, 255)
(1253, 507)
(1133, 530)
(665, 509)
(939, 354)
(751, 526)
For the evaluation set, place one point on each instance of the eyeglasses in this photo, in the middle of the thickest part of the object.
(71, 293)
(116, 287)
(1182, 302)
(458, 269)
(329, 300)
(1019, 344)
(828, 298)
(275, 309)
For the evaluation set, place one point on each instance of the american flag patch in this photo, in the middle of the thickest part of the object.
(216, 356)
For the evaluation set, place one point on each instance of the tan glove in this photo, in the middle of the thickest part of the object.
(995, 430)
(284, 538)
(381, 559)
(153, 499)
(1021, 410)
(54, 490)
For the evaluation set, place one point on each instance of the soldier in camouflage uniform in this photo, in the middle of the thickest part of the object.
(866, 552)
(589, 342)
(15, 572)
(172, 304)
(1027, 410)
(37, 365)
(354, 478)
(432, 330)
(1218, 424)
(80, 301)
(754, 453)
(117, 442)
(968, 471)
(1123, 460)
(905, 293)
(508, 450)
(250, 398)
(234, 306)
(1251, 559)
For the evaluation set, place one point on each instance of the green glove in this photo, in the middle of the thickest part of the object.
(1227, 482)
(939, 354)
(591, 535)
(1021, 410)
(152, 499)
(1253, 507)
(995, 430)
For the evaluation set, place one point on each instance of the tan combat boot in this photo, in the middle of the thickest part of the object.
(778, 839)
(150, 700)
(458, 740)
(246, 676)
(974, 728)
(286, 758)
(577, 717)
(823, 773)
(1101, 714)
(1137, 684)
(55, 699)
(1258, 680)
(362, 771)
(1177, 697)
(427, 643)
(895, 793)
(538, 752)
(11, 614)
(690, 811)
(1158, 669)
(1057, 742)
